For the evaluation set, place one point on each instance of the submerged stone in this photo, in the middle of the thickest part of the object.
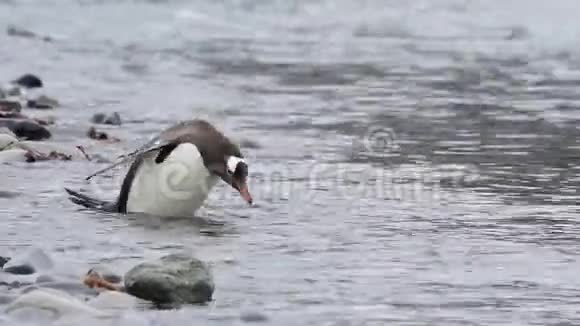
(172, 279)
(42, 102)
(20, 269)
(29, 81)
(26, 129)
(101, 118)
(10, 106)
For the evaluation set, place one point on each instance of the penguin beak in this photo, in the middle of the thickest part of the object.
(242, 188)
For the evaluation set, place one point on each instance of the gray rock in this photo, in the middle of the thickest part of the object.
(28, 81)
(253, 317)
(44, 279)
(101, 118)
(173, 279)
(42, 102)
(10, 106)
(20, 269)
(26, 129)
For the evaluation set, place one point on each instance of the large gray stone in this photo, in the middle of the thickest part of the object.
(177, 279)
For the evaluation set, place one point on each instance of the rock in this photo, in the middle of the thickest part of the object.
(29, 130)
(42, 102)
(44, 279)
(176, 278)
(58, 302)
(10, 106)
(101, 118)
(28, 81)
(34, 259)
(3, 261)
(93, 133)
(15, 31)
(15, 281)
(13, 92)
(253, 317)
(20, 270)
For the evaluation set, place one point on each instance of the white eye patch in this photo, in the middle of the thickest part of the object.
(233, 163)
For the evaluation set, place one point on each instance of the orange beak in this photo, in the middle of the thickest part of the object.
(244, 192)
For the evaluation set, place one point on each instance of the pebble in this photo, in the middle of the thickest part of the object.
(101, 118)
(29, 81)
(26, 129)
(253, 317)
(10, 106)
(42, 102)
(93, 133)
(20, 270)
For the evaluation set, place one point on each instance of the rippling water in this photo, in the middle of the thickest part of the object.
(412, 164)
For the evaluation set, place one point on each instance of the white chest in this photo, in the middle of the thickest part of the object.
(177, 187)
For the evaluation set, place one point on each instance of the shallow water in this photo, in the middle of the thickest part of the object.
(412, 164)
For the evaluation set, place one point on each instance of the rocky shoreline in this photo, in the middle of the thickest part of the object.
(28, 283)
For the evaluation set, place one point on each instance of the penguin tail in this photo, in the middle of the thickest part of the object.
(89, 202)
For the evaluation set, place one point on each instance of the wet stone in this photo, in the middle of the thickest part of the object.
(42, 102)
(172, 279)
(101, 118)
(10, 106)
(30, 130)
(44, 279)
(95, 134)
(29, 81)
(253, 317)
(20, 270)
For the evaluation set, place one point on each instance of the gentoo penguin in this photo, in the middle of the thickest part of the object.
(173, 174)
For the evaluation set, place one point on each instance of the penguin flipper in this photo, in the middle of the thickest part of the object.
(89, 202)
